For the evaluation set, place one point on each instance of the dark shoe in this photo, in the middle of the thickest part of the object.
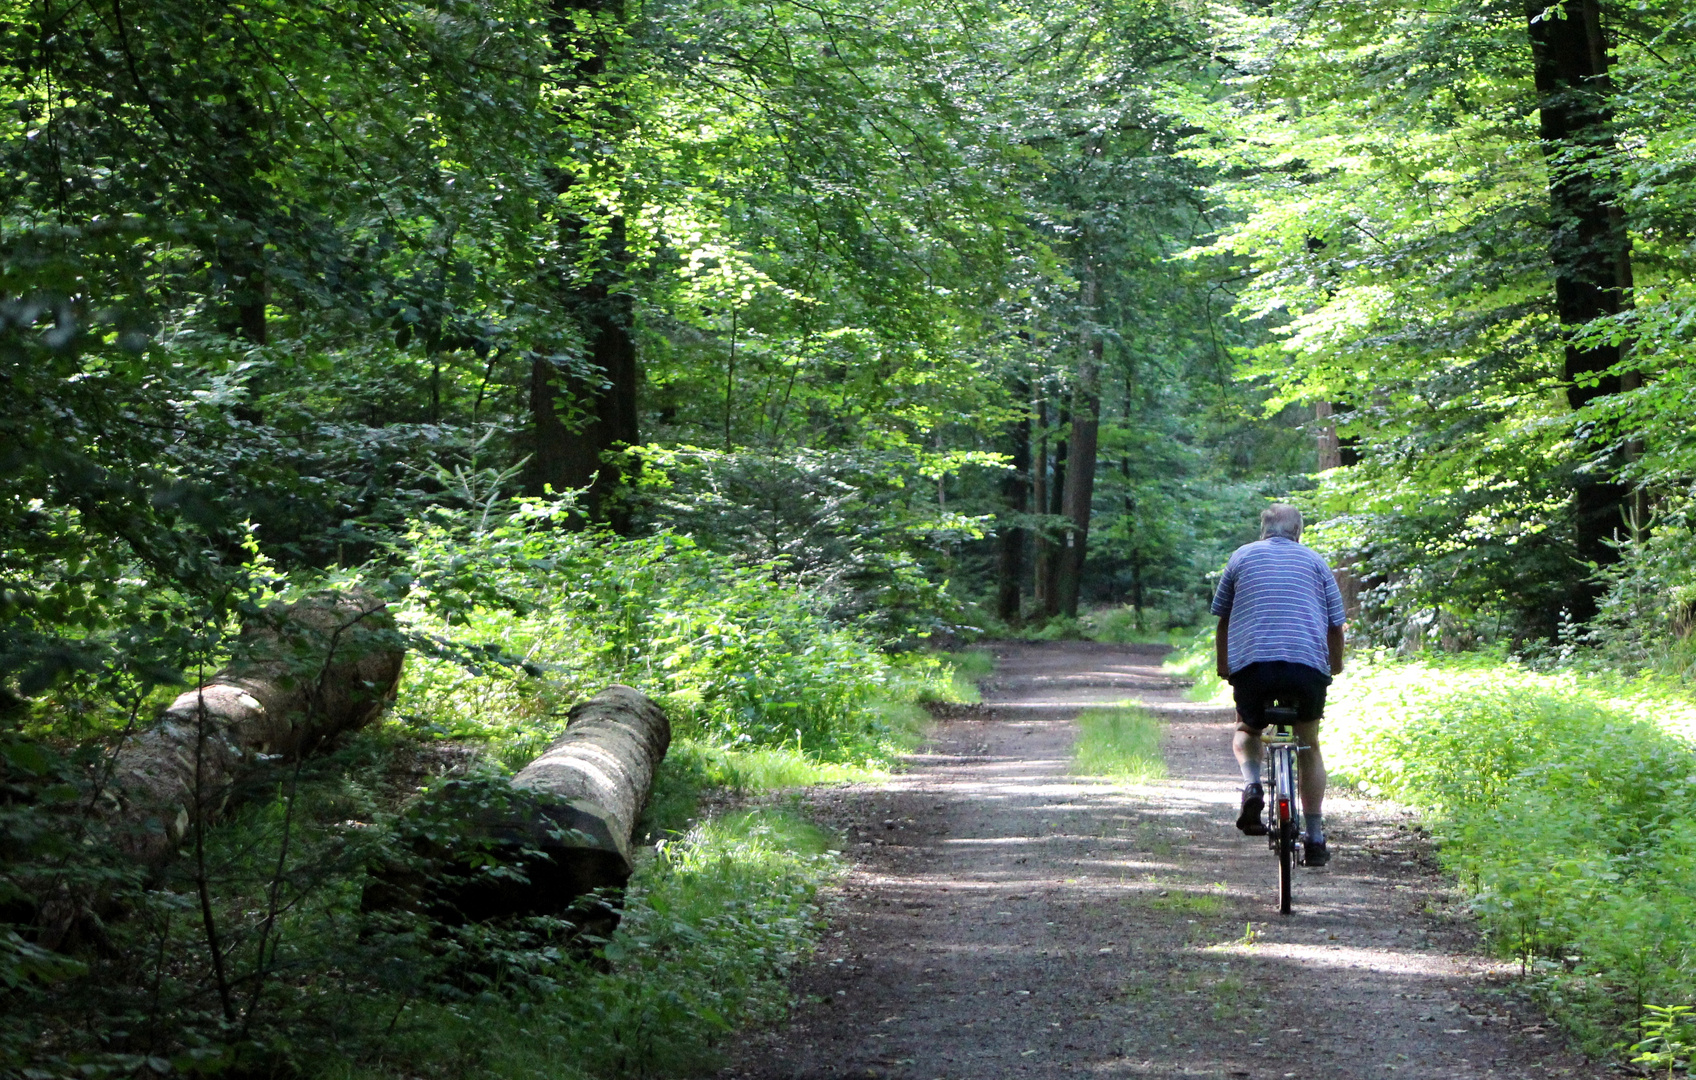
(1254, 804)
(1315, 853)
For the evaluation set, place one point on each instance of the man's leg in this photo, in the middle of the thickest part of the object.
(1311, 764)
(1249, 751)
(1247, 746)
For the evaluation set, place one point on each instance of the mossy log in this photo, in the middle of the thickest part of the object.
(302, 674)
(560, 831)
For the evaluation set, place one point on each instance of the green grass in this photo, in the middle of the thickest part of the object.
(971, 663)
(1121, 742)
(773, 769)
(961, 672)
(692, 768)
(1566, 805)
(1193, 658)
(1189, 903)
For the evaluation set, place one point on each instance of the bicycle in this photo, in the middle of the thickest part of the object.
(1283, 832)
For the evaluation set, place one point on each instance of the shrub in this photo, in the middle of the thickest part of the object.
(533, 617)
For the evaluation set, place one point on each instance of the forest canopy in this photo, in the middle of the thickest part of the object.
(1038, 303)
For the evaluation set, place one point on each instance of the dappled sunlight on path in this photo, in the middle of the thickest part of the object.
(1009, 918)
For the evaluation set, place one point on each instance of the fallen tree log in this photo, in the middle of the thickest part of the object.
(562, 830)
(302, 674)
(604, 763)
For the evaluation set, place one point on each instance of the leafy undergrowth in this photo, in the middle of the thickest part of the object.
(310, 982)
(1125, 625)
(1122, 742)
(713, 922)
(1566, 805)
(535, 618)
(255, 945)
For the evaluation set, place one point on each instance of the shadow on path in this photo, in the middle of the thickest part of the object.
(1006, 918)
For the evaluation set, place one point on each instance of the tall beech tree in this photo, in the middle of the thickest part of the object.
(1077, 500)
(1590, 249)
(584, 413)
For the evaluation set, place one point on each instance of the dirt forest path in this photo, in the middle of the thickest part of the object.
(1005, 918)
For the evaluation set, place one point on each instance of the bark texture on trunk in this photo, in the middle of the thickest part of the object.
(604, 765)
(1330, 448)
(1129, 510)
(1332, 452)
(1079, 491)
(1042, 550)
(1590, 247)
(581, 418)
(310, 671)
(1015, 494)
(1049, 553)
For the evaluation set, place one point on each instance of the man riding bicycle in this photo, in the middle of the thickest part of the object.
(1280, 641)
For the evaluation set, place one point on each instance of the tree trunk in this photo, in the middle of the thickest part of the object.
(604, 765)
(1056, 505)
(1333, 455)
(312, 670)
(246, 293)
(562, 830)
(581, 419)
(1042, 548)
(1050, 553)
(1590, 247)
(1330, 450)
(1079, 491)
(245, 204)
(1015, 493)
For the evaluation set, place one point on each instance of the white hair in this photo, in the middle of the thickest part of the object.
(1280, 519)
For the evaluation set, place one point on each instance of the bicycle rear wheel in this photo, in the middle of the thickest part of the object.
(1286, 860)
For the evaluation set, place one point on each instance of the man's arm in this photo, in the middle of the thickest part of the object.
(1334, 645)
(1222, 648)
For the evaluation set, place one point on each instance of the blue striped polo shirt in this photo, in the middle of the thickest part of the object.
(1281, 598)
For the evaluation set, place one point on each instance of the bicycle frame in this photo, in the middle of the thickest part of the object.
(1284, 834)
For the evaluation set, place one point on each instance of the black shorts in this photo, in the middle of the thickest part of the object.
(1278, 682)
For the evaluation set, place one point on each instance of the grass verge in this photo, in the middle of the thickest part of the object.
(959, 675)
(1566, 805)
(1193, 658)
(1121, 742)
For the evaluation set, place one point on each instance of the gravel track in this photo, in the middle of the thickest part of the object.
(1005, 918)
